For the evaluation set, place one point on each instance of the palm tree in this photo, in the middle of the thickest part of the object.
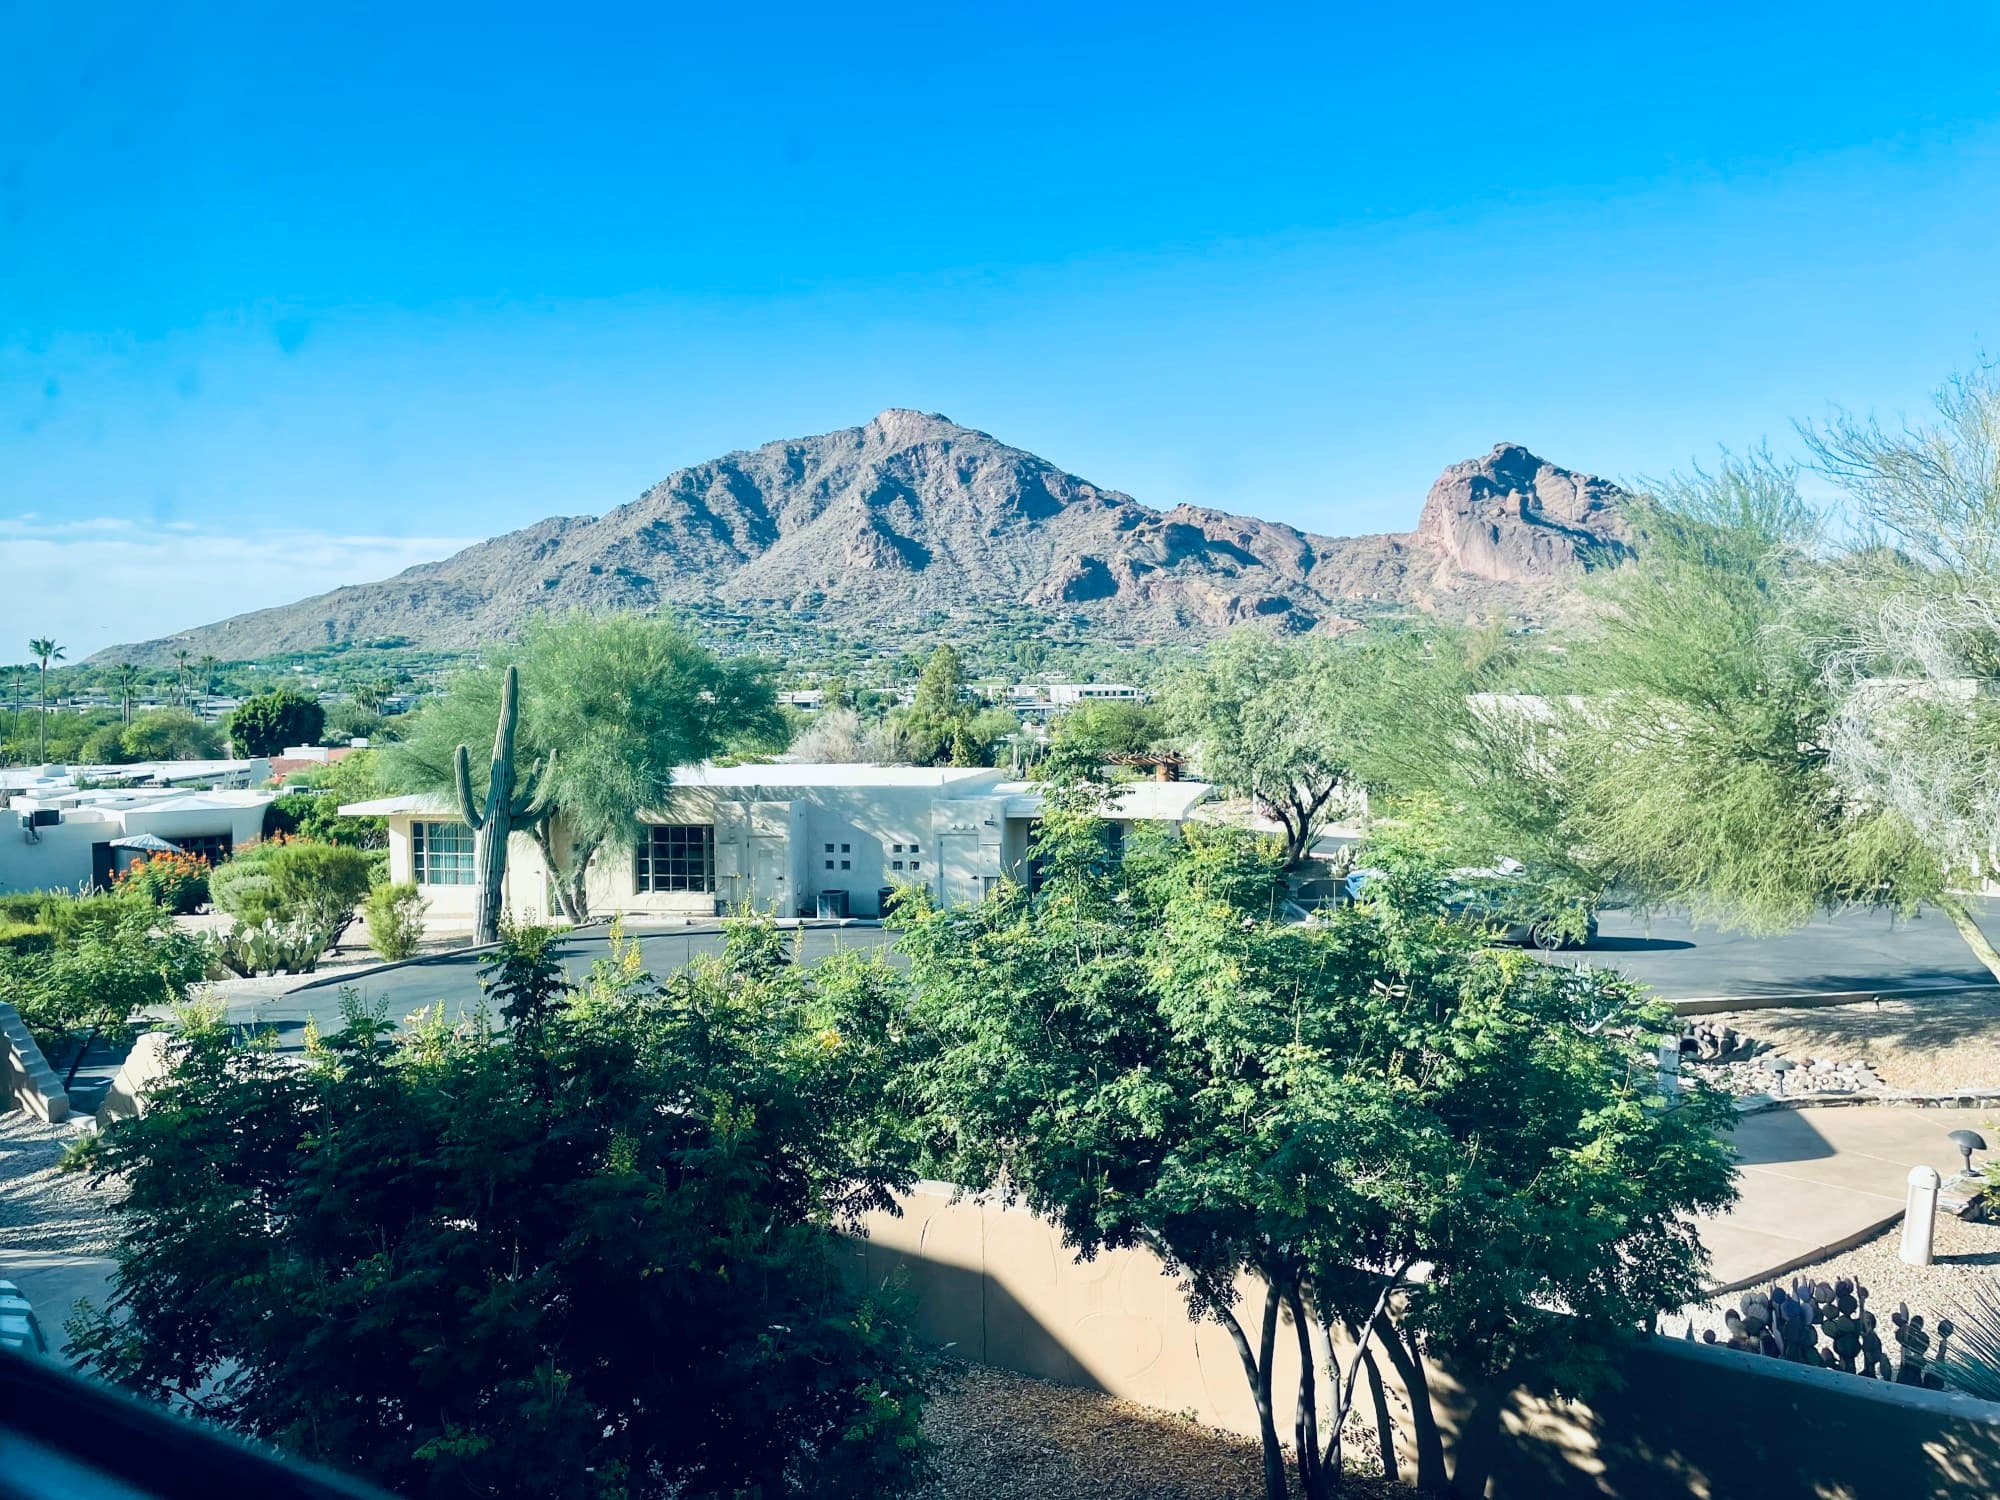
(45, 650)
(128, 685)
(182, 656)
(208, 666)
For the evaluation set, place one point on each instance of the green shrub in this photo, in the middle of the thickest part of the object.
(177, 883)
(395, 920)
(24, 937)
(293, 883)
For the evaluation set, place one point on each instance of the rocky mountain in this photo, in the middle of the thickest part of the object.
(913, 514)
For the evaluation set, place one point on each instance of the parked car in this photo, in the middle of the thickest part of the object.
(20, 1330)
(1510, 904)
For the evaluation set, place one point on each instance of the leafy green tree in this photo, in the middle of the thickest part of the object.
(269, 722)
(1271, 718)
(592, 1256)
(1145, 1059)
(44, 649)
(169, 734)
(309, 806)
(609, 707)
(1110, 728)
(1914, 656)
(111, 956)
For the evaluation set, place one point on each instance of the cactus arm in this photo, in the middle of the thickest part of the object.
(462, 773)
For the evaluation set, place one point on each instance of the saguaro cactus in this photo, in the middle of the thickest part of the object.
(507, 804)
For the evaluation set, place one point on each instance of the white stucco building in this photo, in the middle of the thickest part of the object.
(797, 840)
(62, 832)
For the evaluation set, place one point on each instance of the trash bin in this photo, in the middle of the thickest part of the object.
(883, 898)
(833, 903)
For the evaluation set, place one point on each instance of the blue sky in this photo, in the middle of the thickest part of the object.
(290, 298)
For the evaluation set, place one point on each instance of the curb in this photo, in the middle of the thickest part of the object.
(1710, 1005)
(1762, 1104)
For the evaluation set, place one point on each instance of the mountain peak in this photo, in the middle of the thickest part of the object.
(913, 518)
(902, 427)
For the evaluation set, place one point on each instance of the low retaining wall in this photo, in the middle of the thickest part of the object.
(31, 1083)
(997, 1284)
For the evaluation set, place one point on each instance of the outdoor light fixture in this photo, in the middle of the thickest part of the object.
(1967, 1141)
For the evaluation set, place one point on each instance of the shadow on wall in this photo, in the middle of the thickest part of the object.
(998, 1285)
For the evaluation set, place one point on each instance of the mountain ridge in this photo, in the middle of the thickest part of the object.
(910, 514)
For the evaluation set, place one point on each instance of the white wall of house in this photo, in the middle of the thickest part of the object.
(773, 838)
(62, 855)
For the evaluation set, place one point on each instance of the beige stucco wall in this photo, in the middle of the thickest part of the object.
(1688, 1420)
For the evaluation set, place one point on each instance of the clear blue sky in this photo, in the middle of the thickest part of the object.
(291, 295)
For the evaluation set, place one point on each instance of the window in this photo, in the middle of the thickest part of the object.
(213, 847)
(916, 864)
(844, 849)
(846, 864)
(829, 864)
(441, 853)
(829, 850)
(676, 857)
(896, 864)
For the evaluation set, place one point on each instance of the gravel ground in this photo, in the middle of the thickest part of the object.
(1006, 1437)
(1929, 1043)
(1966, 1254)
(41, 1209)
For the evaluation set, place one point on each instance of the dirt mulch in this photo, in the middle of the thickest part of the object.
(1006, 1437)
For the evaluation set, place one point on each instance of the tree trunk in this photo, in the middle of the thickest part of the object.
(1409, 1366)
(1260, 1391)
(1385, 1424)
(81, 1053)
(1961, 917)
(1305, 1434)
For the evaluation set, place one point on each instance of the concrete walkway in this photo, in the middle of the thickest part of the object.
(1815, 1181)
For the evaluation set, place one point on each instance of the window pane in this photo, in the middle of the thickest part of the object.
(676, 857)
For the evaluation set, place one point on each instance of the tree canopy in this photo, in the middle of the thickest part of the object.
(273, 721)
(1145, 1058)
(1270, 718)
(590, 1257)
(610, 706)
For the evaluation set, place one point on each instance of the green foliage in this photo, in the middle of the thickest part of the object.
(1109, 727)
(269, 722)
(296, 885)
(395, 916)
(610, 706)
(177, 883)
(1274, 719)
(1144, 1058)
(1708, 782)
(593, 1260)
(168, 734)
(107, 957)
(309, 806)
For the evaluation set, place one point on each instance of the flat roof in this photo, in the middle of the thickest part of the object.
(815, 773)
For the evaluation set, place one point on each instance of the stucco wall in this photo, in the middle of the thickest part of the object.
(1689, 1420)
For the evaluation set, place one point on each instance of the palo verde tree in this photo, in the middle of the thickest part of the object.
(606, 709)
(1294, 1118)
(1913, 662)
(591, 1255)
(1268, 718)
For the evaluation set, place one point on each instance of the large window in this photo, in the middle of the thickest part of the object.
(441, 853)
(676, 857)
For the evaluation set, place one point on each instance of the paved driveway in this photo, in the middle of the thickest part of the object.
(453, 981)
(1855, 950)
